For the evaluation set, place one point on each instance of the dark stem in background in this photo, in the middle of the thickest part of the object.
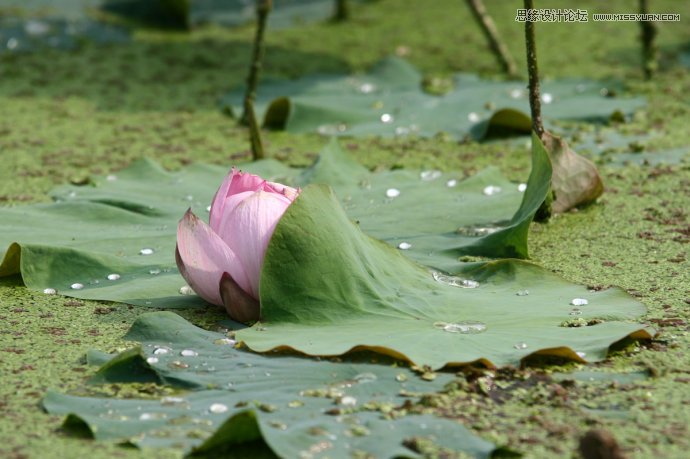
(533, 71)
(649, 32)
(342, 10)
(263, 8)
(497, 45)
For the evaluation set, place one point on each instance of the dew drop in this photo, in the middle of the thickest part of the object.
(468, 327)
(520, 346)
(176, 364)
(516, 93)
(579, 302)
(189, 198)
(161, 351)
(146, 251)
(522, 292)
(477, 231)
(151, 360)
(454, 281)
(404, 246)
(152, 416)
(208, 208)
(387, 118)
(365, 378)
(392, 192)
(331, 129)
(547, 98)
(430, 175)
(491, 190)
(12, 43)
(173, 401)
(401, 377)
(295, 404)
(226, 341)
(348, 400)
(76, 286)
(402, 131)
(154, 271)
(111, 178)
(49, 291)
(218, 408)
(582, 355)
(367, 88)
(473, 117)
(113, 276)
(522, 187)
(451, 183)
(186, 290)
(188, 353)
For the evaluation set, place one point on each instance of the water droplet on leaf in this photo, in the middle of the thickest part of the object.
(154, 271)
(465, 327)
(451, 183)
(547, 98)
(49, 291)
(152, 360)
(520, 346)
(522, 292)
(454, 281)
(579, 302)
(491, 190)
(428, 176)
(404, 246)
(387, 118)
(146, 251)
(113, 276)
(178, 365)
(474, 117)
(76, 286)
(188, 353)
(392, 192)
(186, 290)
(363, 378)
(218, 408)
(522, 187)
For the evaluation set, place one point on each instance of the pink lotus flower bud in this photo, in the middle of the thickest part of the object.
(222, 261)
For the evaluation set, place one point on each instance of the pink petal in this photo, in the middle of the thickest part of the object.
(234, 183)
(205, 257)
(287, 191)
(248, 230)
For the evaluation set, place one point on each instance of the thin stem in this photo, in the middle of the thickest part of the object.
(497, 45)
(649, 32)
(342, 10)
(254, 133)
(263, 8)
(533, 71)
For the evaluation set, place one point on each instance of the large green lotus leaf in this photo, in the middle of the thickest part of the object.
(241, 396)
(92, 232)
(124, 224)
(390, 101)
(436, 216)
(355, 292)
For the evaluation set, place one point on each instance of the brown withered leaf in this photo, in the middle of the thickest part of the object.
(576, 180)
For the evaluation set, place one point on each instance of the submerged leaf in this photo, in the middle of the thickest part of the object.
(240, 396)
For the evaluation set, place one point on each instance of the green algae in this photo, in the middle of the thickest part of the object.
(65, 116)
